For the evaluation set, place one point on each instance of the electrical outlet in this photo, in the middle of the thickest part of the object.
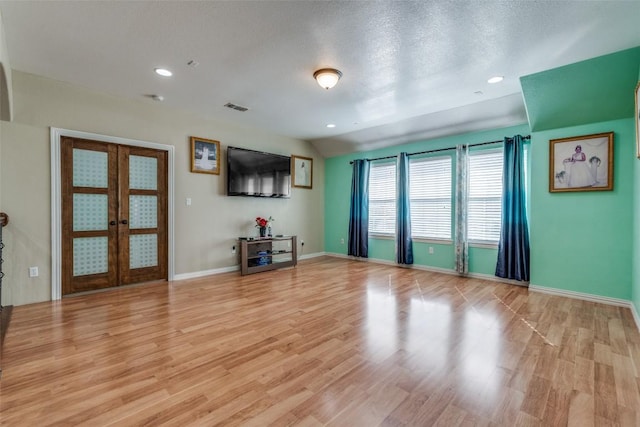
(430, 250)
(33, 272)
(187, 201)
(342, 241)
(233, 250)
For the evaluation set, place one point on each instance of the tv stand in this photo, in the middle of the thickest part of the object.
(259, 254)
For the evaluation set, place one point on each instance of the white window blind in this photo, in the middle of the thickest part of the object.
(382, 198)
(485, 196)
(430, 193)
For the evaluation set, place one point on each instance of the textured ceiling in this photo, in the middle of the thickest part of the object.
(411, 69)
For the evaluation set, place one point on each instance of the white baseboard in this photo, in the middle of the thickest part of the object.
(634, 312)
(313, 255)
(196, 274)
(536, 288)
(429, 268)
(592, 298)
(580, 295)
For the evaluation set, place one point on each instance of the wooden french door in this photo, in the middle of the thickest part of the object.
(114, 215)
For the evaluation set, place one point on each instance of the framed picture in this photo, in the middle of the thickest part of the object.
(302, 168)
(638, 119)
(205, 156)
(581, 163)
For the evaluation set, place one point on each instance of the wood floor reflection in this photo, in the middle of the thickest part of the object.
(331, 342)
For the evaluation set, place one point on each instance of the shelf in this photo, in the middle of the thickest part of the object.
(269, 255)
(253, 262)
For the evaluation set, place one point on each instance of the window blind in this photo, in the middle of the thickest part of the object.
(382, 198)
(430, 193)
(485, 196)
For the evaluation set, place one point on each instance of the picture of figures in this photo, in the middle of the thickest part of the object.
(302, 171)
(583, 163)
(205, 156)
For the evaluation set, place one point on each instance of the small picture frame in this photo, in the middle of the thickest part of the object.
(637, 120)
(581, 163)
(302, 171)
(205, 156)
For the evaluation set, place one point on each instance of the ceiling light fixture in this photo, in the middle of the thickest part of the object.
(496, 79)
(331, 125)
(163, 72)
(327, 77)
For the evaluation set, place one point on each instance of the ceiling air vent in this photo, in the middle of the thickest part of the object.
(235, 107)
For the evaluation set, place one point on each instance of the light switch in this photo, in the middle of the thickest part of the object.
(188, 201)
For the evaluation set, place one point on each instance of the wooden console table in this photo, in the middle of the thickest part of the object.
(259, 254)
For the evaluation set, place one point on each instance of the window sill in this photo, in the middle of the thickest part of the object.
(382, 236)
(434, 241)
(484, 245)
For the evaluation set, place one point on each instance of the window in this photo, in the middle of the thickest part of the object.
(382, 198)
(430, 194)
(485, 196)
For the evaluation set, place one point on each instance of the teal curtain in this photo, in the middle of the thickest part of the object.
(462, 185)
(513, 249)
(404, 243)
(359, 212)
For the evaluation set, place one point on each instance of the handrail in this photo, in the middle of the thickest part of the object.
(4, 220)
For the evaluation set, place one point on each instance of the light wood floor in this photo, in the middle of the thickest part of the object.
(331, 342)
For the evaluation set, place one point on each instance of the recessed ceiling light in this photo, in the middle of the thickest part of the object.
(495, 79)
(163, 72)
(331, 125)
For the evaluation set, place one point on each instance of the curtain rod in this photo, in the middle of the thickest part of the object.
(442, 149)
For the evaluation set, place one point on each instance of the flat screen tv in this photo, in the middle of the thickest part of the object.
(257, 174)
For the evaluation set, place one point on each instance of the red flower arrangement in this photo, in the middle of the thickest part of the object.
(262, 222)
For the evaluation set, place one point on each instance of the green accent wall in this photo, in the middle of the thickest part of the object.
(591, 91)
(585, 242)
(337, 201)
(582, 241)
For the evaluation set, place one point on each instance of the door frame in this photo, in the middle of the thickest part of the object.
(56, 199)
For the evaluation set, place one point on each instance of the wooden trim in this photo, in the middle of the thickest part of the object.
(216, 144)
(294, 182)
(55, 136)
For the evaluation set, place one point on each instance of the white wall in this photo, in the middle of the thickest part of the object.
(204, 231)
(5, 77)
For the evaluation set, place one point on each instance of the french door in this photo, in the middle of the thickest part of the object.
(114, 214)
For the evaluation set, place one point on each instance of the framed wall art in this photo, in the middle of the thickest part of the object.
(205, 156)
(637, 120)
(581, 163)
(302, 171)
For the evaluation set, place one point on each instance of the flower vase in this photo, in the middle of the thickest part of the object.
(263, 231)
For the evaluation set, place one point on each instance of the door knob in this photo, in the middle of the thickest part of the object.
(112, 223)
(124, 221)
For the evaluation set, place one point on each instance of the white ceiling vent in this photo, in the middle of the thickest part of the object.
(235, 107)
